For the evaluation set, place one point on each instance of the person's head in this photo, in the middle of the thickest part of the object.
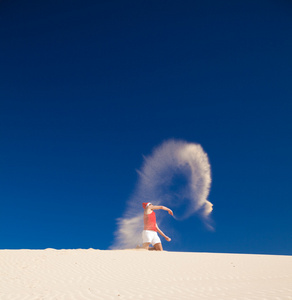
(146, 204)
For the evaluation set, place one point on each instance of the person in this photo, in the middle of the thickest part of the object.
(149, 234)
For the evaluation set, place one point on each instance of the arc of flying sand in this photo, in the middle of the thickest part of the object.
(155, 177)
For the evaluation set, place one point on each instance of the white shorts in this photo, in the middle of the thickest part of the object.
(150, 236)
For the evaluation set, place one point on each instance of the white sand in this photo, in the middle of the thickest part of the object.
(140, 274)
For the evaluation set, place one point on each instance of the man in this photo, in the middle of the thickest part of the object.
(149, 234)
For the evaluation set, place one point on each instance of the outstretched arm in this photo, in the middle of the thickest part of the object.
(161, 233)
(154, 207)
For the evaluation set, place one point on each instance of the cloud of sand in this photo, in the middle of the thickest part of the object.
(177, 174)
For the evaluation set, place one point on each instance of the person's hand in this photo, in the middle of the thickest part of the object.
(168, 238)
(170, 212)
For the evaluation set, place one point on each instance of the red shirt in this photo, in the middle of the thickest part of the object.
(150, 222)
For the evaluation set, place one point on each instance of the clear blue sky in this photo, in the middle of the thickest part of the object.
(88, 87)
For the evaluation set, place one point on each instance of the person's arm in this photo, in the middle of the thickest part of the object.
(161, 233)
(155, 207)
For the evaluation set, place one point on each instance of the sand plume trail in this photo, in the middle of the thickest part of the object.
(177, 174)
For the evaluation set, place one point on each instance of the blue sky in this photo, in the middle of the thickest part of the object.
(87, 88)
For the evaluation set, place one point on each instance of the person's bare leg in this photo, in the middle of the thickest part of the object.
(158, 247)
(146, 246)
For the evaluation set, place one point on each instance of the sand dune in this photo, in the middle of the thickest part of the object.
(139, 274)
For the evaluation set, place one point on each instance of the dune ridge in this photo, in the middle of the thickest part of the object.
(139, 274)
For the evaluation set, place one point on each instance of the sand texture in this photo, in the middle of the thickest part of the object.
(140, 274)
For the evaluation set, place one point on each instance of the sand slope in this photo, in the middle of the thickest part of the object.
(140, 274)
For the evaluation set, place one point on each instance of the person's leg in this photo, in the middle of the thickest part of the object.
(156, 242)
(146, 239)
(158, 247)
(146, 246)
